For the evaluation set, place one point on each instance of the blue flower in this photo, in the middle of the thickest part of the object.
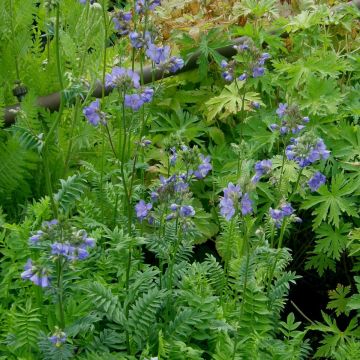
(93, 113)
(50, 223)
(232, 191)
(292, 120)
(203, 168)
(286, 209)
(281, 110)
(40, 279)
(246, 205)
(36, 238)
(60, 249)
(133, 101)
(174, 207)
(141, 6)
(154, 196)
(175, 64)
(121, 22)
(255, 105)
(35, 275)
(173, 156)
(258, 71)
(261, 168)
(142, 209)
(263, 58)
(278, 214)
(147, 95)
(227, 76)
(242, 77)
(232, 195)
(224, 64)
(136, 40)
(157, 54)
(316, 181)
(122, 77)
(181, 186)
(227, 208)
(28, 270)
(186, 211)
(58, 338)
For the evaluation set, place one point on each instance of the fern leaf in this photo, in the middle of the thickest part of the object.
(142, 315)
(71, 190)
(106, 302)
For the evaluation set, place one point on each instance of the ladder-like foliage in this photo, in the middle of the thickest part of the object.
(142, 315)
(24, 328)
(15, 165)
(70, 191)
(105, 302)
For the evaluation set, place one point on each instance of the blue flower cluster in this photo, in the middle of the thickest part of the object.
(54, 239)
(142, 209)
(121, 21)
(204, 168)
(136, 101)
(292, 122)
(58, 338)
(160, 55)
(262, 167)
(316, 181)
(232, 199)
(36, 274)
(77, 249)
(141, 6)
(306, 149)
(182, 211)
(253, 64)
(278, 215)
(174, 189)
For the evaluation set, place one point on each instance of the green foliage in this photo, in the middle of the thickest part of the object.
(105, 302)
(142, 315)
(24, 328)
(334, 339)
(230, 102)
(332, 203)
(206, 48)
(71, 190)
(156, 270)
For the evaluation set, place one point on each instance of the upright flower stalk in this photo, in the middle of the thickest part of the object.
(57, 244)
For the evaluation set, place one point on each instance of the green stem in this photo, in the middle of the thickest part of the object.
(60, 291)
(282, 168)
(13, 37)
(57, 47)
(69, 149)
(105, 23)
(296, 185)
(48, 182)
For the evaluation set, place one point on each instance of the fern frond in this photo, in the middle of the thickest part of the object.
(71, 190)
(105, 302)
(215, 274)
(25, 327)
(142, 315)
(183, 324)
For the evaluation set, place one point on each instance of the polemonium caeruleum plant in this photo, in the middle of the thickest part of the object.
(58, 246)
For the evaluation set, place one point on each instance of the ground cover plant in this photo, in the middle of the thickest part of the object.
(191, 187)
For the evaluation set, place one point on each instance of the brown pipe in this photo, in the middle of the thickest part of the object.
(52, 101)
